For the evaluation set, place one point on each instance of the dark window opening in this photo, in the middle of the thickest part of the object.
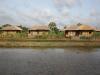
(77, 33)
(67, 33)
(90, 32)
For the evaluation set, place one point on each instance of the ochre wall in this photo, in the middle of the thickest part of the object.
(82, 33)
(87, 34)
(37, 33)
(70, 34)
(8, 33)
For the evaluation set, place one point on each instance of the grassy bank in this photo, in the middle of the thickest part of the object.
(51, 40)
(49, 43)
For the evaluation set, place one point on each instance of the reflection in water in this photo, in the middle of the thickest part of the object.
(50, 61)
(81, 49)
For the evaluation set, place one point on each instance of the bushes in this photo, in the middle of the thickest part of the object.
(24, 35)
(59, 35)
(97, 34)
(86, 38)
(50, 35)
(40, 37)
(21, 35)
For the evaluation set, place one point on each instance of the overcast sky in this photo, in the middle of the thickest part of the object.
(29, 12)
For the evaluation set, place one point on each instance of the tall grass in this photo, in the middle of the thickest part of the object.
(51, 35)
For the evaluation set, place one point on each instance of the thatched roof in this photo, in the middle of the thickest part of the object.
(80, 27)
(86, 27)
(71, 27)
(39, 27)
(12, 28)
(98, 29)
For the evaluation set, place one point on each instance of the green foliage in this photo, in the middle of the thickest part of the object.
(6, 25)
(97, 34)
(24, 29)
(59, 35)
(21, 35)
(79, 24)
(85, 38)
(56, 34)
(53, 28)
(52, 25)
(41, 37)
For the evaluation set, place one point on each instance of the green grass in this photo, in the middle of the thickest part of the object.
(51, 36)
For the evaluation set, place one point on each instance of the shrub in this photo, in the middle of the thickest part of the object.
(85, 38)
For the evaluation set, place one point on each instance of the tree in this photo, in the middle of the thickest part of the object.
(79, 24)
(6, 25)
(24, 29)
(53, 27)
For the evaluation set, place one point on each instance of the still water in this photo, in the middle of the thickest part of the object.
(50, 61)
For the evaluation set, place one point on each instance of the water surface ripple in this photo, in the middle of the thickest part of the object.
(50, 61)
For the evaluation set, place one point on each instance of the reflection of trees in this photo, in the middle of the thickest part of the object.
(80, 49)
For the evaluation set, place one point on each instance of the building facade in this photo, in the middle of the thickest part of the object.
(79, 31)
(38, 30)
(9, 31)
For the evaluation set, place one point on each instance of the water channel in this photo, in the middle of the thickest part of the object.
(50, 61)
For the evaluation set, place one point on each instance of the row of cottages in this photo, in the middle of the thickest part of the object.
(79, 30)
(9, 31)
(38, 30)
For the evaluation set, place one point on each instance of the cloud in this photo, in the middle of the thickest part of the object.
(37, 15)
(23, 12)
(64, 7)
(95, 13)
(6, 16)
(64, 11)
(87, 20)
(23, 16)
(67, 3)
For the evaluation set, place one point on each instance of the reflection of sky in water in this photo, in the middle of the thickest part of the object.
(50, 61)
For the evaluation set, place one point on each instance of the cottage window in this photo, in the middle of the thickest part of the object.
(67, 33)
(90, 32)
(80, 33)
(37, 32)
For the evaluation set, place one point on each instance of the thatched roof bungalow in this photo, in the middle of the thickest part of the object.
(38, 30)
(10, 30)
(81, 30)
(71, 30)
